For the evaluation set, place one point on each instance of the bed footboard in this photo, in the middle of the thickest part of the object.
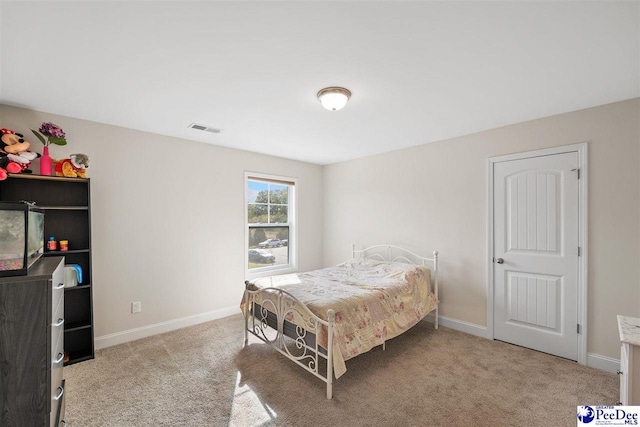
(266, 306)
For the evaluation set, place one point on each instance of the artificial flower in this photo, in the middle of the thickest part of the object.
(53, 133)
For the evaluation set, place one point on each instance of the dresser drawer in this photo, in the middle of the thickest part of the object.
(57, 311)
(57, 293)
(60, 410)
(57, 345)
(56, 380)
(57, 403)
(57, 327)
(57, 314)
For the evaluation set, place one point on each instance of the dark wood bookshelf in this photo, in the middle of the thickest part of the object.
(67, 205)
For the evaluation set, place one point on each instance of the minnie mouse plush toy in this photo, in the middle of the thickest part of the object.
(15, 156)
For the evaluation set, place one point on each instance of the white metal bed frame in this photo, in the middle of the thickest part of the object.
(308, 353)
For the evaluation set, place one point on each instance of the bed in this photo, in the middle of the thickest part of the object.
(380, 293)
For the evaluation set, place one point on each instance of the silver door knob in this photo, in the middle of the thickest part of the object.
(500, 261)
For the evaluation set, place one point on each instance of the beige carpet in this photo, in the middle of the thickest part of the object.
(201, 376)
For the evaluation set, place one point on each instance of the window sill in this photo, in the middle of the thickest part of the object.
(249, 275)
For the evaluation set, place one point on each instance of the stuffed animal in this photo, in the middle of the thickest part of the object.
(13, 143)
(74, 166)
(7, 166)
(15, 156)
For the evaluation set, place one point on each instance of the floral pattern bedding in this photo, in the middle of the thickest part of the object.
(373, 301)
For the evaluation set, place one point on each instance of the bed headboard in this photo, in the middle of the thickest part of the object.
(391, 253)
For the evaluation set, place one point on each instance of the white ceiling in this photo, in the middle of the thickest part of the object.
(419, 71)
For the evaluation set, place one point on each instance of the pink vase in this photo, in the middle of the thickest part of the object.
(45, 162)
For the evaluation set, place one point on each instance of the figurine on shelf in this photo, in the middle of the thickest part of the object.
(15, 156)
(73, 167)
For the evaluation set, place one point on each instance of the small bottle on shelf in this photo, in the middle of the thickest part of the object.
(52, 245)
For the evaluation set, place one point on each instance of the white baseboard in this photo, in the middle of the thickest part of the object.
(593, 360)
(603, 362)
(159, 328)
(460, 325)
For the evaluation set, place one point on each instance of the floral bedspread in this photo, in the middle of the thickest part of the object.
(373, 301)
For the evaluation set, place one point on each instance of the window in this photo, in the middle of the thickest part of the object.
(270, 215)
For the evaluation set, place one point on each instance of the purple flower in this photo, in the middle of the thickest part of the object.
(51, 130)
(50, 133)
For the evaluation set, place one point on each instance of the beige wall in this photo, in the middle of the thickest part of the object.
(435, 197)
(168, 224)
(168, 218)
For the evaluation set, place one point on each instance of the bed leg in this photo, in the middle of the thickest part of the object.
(246, 336)
(330, 319)
(384, 345)
(436, 322)
(246, 315)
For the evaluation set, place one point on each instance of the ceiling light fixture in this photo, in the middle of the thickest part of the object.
(334, 98)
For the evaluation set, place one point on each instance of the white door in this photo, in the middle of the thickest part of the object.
(536, 253)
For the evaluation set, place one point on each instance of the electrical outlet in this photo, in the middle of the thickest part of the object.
(136, 307)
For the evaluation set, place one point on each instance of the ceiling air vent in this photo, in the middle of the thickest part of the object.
(204, 128)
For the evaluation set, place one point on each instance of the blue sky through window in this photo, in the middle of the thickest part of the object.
(253, 188)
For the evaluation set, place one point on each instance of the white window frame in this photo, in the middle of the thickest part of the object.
(293, 234)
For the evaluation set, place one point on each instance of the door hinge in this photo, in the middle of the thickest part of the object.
(579, 251)
(578, 328)
(577, 171)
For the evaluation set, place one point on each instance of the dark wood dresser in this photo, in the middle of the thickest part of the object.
(31, 346)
